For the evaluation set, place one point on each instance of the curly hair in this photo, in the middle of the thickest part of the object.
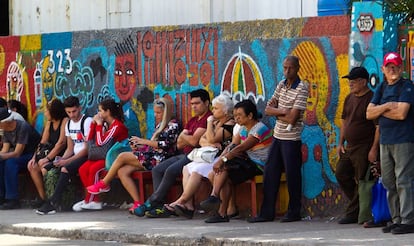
(56, 109)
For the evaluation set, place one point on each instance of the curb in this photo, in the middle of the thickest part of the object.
(118, 237)
(107, 236)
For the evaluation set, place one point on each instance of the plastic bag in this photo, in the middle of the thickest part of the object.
(379, 205)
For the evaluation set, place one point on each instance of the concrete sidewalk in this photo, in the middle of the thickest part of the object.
(117, 225)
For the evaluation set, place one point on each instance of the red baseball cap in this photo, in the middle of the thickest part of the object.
(392, 57)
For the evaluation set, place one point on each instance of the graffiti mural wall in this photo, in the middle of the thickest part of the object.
(242, 59)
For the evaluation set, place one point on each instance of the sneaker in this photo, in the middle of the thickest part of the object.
(217, 219)
(390, 227)
(77, 207)
(134, 206)
(37, 203)
(141, 209)
(159, 212)
(92, 206)
(212, 203)
(46, 209)
(98, 188)
(403, 229)
(10, 204)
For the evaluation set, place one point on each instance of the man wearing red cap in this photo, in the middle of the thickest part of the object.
(392, 105)
(362, 143)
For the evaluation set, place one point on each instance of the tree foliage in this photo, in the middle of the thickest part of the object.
(403, 7)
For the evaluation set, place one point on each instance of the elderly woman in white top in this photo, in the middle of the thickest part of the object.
(218, 135)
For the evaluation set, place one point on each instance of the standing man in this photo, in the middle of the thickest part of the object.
(19, 144)
(166, 172)
(392, 105)
(76, 153)
(287, 104)
(362, 143)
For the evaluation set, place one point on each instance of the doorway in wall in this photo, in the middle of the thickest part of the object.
(4, 18)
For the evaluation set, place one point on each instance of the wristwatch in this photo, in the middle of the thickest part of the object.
(224, 159)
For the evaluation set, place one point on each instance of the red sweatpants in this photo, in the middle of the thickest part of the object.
(89, 175)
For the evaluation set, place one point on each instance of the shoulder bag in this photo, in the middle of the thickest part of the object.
(96, 152)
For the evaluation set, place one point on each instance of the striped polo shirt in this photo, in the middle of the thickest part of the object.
(294, 97)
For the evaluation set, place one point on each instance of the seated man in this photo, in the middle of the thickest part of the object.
(19, 144)
(75, 155)
(167, 171)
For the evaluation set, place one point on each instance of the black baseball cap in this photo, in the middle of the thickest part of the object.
(357, 72)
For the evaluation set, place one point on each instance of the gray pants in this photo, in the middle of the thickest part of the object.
(164, 176)
(397, 171)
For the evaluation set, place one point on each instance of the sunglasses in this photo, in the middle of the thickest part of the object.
(160, 103)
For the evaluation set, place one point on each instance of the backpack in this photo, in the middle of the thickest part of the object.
(72, 193)
(82, 124)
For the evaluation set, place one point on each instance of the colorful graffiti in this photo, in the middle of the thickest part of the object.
(243, 79)
(136, 66)
(368, 40)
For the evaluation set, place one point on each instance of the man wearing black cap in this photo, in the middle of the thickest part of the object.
(19, 144)
(361, 138)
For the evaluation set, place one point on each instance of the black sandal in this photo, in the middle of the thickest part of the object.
(183, 211)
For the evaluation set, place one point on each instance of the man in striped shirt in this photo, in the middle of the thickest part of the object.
(287, 104)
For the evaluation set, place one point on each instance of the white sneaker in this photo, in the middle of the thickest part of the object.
(77, 207)
(92, 206)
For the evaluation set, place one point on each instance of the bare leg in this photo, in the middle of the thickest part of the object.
(225, 194)
(186, 176)
(219, 180)
(192, 183)
(231, 207)
(124, 174)
(125, 158)
(211, 175)
(37, 178)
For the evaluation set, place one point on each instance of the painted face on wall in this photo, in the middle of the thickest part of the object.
(310, 113)
(125, 78)
(14, 83)
(48, 79)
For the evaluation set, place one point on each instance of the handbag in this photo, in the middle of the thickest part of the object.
(96, 152)
(239, 163)
(43, 150)
(203, 154)
(114, 151)
(379, 205)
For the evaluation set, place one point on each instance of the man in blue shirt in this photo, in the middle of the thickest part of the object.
(392, 105)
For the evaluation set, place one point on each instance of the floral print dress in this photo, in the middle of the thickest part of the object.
(149, 156)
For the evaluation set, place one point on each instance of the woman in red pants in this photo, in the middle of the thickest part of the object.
(110, 116)
(145, 154)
